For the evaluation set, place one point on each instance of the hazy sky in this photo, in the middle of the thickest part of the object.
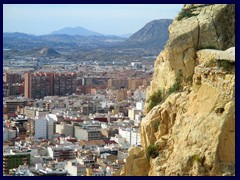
(114, 19)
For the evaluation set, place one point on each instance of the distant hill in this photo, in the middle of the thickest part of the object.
(153, 36)
(77, 31)
(48, 52)
(16, 35)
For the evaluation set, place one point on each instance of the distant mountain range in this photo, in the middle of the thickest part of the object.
(149, 40)
(76, 31)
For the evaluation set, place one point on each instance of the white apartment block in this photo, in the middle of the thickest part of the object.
(131, 134)
(140, 105)
(41, 127)
(51, 120)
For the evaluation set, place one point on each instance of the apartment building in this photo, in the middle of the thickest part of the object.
(61, 152)
(134, 84)
(64, 84)
(87, 133)
(12, 78)
(131, 134)
(14, 159)
(11, 105)
(117, 83)
(38, 85)
(75, 169)
(65, 129)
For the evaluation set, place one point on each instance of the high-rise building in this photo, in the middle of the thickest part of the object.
(65, 84)
(11, 78)
(38, 85)
(133, 84)
(117, 83)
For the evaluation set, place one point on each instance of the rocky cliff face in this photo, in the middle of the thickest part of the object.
(192, 130)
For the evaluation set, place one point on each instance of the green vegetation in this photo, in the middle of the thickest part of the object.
(211, 63)
(196, 158)
(156, 125)
(186, 13)
(152, 151)
(154, 99)
(158, 97)
(174, 88)
(189, 12)
(225, 64)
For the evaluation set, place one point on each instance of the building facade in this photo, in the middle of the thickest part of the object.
(14, 159)
(38, 85)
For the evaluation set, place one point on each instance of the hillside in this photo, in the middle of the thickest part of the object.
(153, 36)
(189, 127)
(48, 52)
(76, 31)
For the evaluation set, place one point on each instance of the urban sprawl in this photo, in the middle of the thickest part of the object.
(71, 119)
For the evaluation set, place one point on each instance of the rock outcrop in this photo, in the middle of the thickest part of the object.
(194, 127)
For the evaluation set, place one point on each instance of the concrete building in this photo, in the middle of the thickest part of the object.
(49, 171)
(14, 159)
(133, 112)
(133, 84)
(117, 83)
(75, 169)
(95, 172)
(9, 134)
(65, 129)
(15, 89)
(40, 127)
(61, 152)
(121, 141)
(51, 122)
(140, 94)
(140, 105)
(32, 112)
(11, 78)
(121, 95)
(38, 85)
(12, 105)
(131, 135)
(87, 133)
(64, 83)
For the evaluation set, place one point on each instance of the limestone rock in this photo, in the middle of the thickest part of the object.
(137, 163)
(213, 27)
(194, 129)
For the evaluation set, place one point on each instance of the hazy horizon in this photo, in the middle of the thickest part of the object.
(107, 19)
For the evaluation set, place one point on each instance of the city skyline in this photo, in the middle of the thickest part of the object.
(108, 19)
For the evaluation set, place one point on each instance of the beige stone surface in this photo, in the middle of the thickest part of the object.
(137, 163)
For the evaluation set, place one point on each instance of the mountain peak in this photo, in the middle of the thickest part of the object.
(76, 31)
(153, 35)
(46, 51)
